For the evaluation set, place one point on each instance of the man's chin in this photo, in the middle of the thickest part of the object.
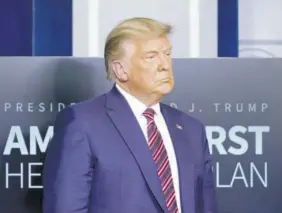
(166, 88)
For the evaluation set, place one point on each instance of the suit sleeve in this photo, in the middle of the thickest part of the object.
(68, 167)
(209, 196)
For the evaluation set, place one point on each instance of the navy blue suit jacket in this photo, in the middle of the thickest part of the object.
(99, 162)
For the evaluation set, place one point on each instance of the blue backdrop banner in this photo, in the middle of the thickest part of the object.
(238, 100)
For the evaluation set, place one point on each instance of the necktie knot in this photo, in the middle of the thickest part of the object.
(149, 114)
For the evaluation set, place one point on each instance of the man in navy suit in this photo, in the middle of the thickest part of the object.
(125, 152)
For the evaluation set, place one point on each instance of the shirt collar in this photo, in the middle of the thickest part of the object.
(136, 105)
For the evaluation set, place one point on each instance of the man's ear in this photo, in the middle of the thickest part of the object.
(120, 71)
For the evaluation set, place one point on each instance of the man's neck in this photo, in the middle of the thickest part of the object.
(147, 99)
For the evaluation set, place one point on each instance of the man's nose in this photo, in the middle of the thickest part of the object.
(164, 62)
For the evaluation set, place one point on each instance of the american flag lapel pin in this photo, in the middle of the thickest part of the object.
(178, 126)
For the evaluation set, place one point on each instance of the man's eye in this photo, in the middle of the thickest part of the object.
(150, 56)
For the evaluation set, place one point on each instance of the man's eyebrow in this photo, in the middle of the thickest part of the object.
(155, 51)
(170, 48)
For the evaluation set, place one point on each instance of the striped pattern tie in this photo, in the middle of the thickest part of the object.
(156, 145)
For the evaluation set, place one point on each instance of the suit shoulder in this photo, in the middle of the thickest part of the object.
(85, 108)
(182, 115)
(90, 106)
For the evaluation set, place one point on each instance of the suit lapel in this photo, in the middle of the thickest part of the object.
(181, 144)
(123, 118)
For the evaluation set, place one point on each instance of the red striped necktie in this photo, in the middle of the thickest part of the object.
(160, 157)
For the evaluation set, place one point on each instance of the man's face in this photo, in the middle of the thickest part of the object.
(150, 67)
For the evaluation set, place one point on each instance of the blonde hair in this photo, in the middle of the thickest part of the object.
(133, 28)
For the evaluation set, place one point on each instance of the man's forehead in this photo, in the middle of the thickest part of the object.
(147, 45)
(155, 44)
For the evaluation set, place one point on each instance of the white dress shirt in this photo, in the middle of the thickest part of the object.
(138, 108)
